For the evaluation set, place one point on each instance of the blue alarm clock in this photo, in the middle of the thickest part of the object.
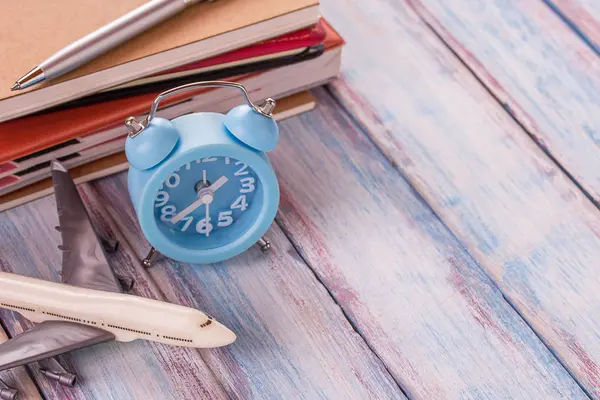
(201, 184)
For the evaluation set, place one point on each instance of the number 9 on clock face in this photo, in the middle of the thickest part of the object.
(207, 201)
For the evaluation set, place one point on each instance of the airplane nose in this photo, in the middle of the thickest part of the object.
(216, 335)
(227, 336)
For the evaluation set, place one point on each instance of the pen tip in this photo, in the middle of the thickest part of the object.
(16, 86)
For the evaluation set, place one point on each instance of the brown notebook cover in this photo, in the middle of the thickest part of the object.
(34, 30)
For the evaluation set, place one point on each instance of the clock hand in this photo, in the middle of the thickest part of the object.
(205, 198)
(218, 183)
(207, 218)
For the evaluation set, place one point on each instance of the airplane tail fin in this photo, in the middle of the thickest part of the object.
(84, 258)
(67, 194)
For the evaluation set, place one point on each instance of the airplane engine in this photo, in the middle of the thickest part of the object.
(64, 378)
(8, 393)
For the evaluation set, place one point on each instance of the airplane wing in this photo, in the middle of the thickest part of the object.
(49, 339)
(84, 261)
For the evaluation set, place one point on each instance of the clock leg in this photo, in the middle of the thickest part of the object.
(264, 244)
(150, 258)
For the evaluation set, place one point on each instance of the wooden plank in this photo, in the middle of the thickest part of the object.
(527, 224)
(293, 340)
(537, 67)
(583, 16)
(18, 378)
(135, 370)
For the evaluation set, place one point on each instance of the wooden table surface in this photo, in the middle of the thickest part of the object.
(438, 235)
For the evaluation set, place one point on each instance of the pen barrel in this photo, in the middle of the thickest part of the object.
(111, 35)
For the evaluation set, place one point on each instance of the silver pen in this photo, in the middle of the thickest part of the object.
(102, 40)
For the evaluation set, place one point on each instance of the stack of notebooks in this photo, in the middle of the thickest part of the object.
(279, 49)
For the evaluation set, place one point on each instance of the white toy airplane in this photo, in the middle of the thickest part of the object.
(89, 306)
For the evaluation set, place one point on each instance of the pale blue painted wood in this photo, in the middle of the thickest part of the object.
(420, 302)
(135, 370)
(293, 340)
(531, 229)
(583, 16)
(426, 308)
(541, 70)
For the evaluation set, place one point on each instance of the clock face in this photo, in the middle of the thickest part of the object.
(207, 201)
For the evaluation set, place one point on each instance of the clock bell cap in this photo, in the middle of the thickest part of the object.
(152, 145)
(252, 128)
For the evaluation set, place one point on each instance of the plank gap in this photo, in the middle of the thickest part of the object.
(572, 26)
(547, 345)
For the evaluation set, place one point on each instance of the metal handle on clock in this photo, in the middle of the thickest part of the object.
(136, 127)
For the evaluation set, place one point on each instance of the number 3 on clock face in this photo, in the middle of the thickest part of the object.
(207, 199)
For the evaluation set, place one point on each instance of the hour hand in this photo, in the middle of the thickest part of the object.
(190, 209)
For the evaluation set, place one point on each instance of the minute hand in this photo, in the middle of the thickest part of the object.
(202, 200)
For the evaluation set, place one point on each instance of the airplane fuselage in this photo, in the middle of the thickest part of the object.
(126, 316)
